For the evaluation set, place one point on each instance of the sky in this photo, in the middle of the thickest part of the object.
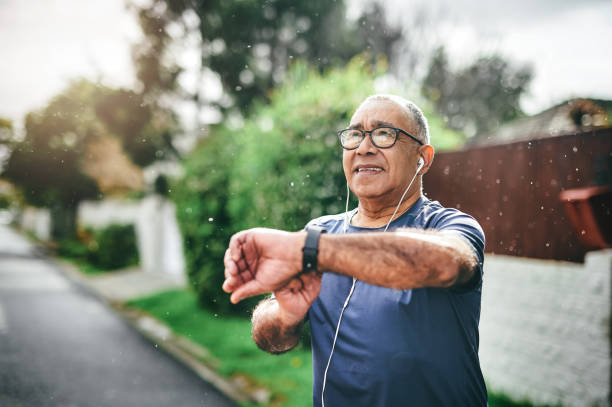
(46, 43)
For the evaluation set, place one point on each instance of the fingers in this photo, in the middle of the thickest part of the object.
(247, 290)
(239, 270)
(231, 268)
(249, 250)
(235, 245)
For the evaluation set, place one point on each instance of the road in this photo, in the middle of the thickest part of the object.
(61, 346)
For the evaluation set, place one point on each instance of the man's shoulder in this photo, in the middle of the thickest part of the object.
(438, 214)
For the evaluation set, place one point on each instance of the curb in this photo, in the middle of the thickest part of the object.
(195, 357)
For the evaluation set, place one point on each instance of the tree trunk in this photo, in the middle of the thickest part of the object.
(63, 222)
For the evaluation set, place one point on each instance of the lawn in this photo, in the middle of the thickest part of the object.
(287, 376)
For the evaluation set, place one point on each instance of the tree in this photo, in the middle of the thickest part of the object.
(478, 98)
(249, 44)
(144, 128)
(47, 164)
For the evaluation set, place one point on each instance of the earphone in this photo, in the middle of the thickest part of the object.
(421, 164)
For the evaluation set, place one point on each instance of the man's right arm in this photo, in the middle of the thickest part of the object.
(277, 322)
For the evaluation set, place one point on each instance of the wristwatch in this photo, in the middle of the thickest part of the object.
(311, 248)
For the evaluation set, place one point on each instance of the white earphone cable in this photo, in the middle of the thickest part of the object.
(346, 302)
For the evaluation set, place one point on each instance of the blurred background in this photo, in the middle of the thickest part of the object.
(137, 136)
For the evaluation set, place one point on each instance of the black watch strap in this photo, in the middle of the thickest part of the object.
(311, 248)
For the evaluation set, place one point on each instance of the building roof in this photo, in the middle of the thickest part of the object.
(573, 116)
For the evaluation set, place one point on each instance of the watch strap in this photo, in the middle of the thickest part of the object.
(311, 248)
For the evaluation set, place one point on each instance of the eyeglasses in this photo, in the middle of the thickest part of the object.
(381, 137)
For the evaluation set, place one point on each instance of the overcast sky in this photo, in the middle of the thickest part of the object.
(45, 43)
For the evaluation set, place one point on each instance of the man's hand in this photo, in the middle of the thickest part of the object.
(266, 260)
(295, 298)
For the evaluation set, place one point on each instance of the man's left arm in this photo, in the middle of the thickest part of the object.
(404, 259)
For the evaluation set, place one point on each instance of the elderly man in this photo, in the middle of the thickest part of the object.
(394, 316)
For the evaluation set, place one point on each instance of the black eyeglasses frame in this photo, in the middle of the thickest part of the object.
(365, 132)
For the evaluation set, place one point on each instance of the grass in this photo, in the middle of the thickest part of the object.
(501, 400)
(287, 376)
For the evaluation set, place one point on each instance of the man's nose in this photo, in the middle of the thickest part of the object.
(366, 146)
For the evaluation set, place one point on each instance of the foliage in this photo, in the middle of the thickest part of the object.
(287, 376)
(201, 198)
(110, 248)
(280, 169)
(502, 400)
(249, 44)
(113, 247)
(47, 164)
(72, 249)
(145, 129)
(478, 98)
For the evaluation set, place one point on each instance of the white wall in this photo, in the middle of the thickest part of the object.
(545, 329)
(98, 214)
(159, 241)
(36, 221)
(159, 238)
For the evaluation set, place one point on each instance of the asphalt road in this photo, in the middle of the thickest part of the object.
(61, 346)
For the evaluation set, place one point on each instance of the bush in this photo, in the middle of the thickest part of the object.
(280, 169)
(72, 249)
(109, 248)
(113, 247)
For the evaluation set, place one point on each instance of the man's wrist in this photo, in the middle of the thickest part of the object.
(300, 240)
(288, 321)
(310, 251)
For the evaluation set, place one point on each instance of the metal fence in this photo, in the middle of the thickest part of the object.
(513, 190)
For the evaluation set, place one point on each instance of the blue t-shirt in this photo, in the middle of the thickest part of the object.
(414, 347)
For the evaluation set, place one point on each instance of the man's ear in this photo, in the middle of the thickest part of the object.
(427, 155)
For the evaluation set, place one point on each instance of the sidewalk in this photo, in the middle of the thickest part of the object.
(120, 286)
(115, 288)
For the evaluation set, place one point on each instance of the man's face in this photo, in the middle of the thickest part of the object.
(374, 172)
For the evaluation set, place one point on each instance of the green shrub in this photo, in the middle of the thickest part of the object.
(109, 248)
(113, 247)
(72, 249)
(280, 169)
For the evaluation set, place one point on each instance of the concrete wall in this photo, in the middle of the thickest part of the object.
(36, 221)
(159, 241)
(545, 329)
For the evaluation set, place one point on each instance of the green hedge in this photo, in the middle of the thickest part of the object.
(110, 248)
(280, 169)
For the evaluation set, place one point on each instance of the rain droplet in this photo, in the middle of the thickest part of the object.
(292, 184)
(575, 149)
(210, 219)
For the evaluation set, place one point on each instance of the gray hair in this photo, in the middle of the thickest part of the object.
(411, 109)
